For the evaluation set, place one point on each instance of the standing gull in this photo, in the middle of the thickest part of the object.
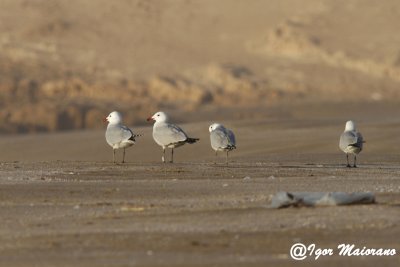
(351, 142)
(118, 135)
(168, 135)
(222, 139)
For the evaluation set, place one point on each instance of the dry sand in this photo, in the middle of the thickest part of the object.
(281, 73)
(65, 65)
(63, 203)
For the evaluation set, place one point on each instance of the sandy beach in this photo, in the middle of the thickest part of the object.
(66, 204)
(284, 75)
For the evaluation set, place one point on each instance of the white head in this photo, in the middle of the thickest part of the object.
(350, 126)
(158, 117)
(114, 118)
(214, 126)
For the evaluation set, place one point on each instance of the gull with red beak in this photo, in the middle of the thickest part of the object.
(168, 135)
(351, 142)
(118, 135)
(222, 139)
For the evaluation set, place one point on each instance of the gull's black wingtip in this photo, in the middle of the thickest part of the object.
(192, 140)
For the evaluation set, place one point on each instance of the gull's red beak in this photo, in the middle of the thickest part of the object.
(105, 119)
(150, 119)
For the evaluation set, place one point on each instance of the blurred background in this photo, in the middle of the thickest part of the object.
(65, 64)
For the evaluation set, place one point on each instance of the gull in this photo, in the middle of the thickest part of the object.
(118, 135)
(351, 142)
(222, 139)
(168, 135)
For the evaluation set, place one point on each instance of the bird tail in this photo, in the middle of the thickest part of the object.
(356, 145)
(231, 147)
(192, 140)
(133, 137)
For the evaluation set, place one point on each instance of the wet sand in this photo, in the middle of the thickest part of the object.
(63, 203)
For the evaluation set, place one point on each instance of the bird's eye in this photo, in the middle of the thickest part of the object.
(158, 115)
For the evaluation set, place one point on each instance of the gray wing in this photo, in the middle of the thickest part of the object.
(360, 140)
(222, 139)
(231, 138)
(350, 138)
(169, 134)
(118, 133)
(127, 131)
(219, 139)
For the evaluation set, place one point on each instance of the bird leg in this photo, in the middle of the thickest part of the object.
(227, 157)
(348, 164)
(113, 155)
(163, 156)
(216, 156)
(172, 156)
(355, 161)
(123, 157)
